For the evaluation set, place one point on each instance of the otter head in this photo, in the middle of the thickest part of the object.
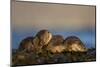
(57, 39)
(73, 43)
(56, 44)
(27, 44)
(44, 37)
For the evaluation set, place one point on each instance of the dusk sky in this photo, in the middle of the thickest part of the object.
(30, 17)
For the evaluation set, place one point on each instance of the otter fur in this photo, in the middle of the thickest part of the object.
(73, 43)
(41, 39)
(56, 44)
(27, 45)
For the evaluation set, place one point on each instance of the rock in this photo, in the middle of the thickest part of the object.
(19, 58)
(56, 44)
(73, 43)
(27, 45)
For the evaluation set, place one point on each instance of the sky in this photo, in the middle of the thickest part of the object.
(28, 18)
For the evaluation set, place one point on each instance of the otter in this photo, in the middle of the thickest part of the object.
(41, 39)
(73, 43)
(56, 44)
(44, 37)
(36, 43)
(27, 45)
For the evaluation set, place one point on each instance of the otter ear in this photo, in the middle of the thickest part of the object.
(36, 41)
